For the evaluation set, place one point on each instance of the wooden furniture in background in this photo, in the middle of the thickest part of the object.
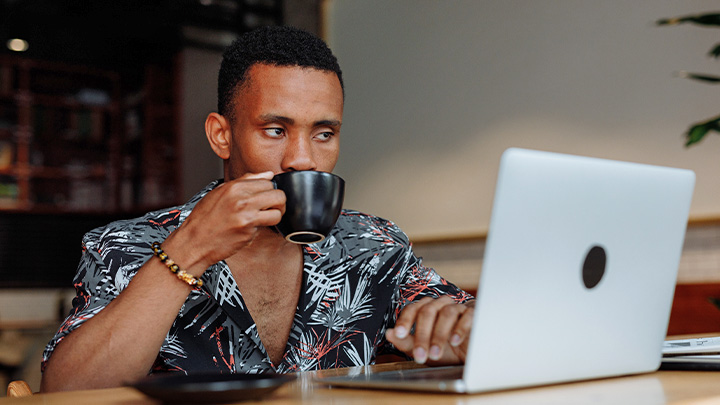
(81, 139)
(18, 389)
(693, 311)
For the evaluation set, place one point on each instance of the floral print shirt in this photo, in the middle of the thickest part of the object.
(354, 285)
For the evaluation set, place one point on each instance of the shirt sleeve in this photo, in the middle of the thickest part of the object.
(413, 281)
(106, 267)
(418, 281)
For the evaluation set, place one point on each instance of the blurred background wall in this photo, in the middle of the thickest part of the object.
(436, 90)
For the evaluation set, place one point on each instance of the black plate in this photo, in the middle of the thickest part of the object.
(210, 388)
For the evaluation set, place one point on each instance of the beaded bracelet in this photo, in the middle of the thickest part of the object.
(181, 274)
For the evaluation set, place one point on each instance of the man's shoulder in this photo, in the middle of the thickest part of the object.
(368, 227)
(155, 223)
(358, 218)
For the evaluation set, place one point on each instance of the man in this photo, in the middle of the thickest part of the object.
(264, 304)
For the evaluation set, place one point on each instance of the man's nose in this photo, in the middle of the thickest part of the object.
(299, 155)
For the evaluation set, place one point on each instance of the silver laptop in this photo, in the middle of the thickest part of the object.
(578, 276)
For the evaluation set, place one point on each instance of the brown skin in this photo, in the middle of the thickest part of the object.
(442, 328)
(286, 118)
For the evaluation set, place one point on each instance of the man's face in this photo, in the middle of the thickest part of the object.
(286, 118)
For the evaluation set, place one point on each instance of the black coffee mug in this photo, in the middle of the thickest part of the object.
(313, 204)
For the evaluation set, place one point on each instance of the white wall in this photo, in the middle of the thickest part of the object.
(436, 90)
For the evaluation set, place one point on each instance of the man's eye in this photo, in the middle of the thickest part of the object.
(273, 132)
(324, 136)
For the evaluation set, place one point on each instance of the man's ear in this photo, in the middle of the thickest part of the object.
(217, 130)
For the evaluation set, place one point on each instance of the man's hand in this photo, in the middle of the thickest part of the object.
(441, 330)
(226, 220)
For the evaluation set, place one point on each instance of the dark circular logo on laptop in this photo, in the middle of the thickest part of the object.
(594, 267)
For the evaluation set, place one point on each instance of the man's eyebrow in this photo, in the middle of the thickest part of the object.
(276, 118)
(267, 118)
(328, 123)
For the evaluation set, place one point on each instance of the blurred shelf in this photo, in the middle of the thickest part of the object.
(73, 139)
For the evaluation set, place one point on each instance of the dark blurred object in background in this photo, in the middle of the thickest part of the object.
(121, 34)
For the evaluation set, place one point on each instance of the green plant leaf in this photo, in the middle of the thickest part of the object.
(715, 52)
(700, 77)
(698, 131)
(710, 19)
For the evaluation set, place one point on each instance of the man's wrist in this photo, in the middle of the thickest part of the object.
(184, 255)
(181, 274)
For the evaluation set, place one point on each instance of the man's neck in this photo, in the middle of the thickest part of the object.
(267, 247)
(268, 241)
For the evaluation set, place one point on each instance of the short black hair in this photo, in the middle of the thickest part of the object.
(272, 45)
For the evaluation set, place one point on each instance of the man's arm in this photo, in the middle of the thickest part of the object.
(120, 343)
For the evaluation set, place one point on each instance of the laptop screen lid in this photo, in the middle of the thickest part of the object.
(579, 270)
(578, 276)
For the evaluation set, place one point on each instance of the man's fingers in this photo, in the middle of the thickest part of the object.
(239, 188)
(260, 209)
(461, 332)
(440, 330)
(425, 328)
(268, 217)
(406, 320)
(445, 325)
(421, 316)
(257, 176)
(402, 336)
(272, 200)
(255, 194)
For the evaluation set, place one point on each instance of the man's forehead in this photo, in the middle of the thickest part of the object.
(290, 92)
(264, 69)
(262, 78)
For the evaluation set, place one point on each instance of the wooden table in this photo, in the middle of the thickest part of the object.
(662, 387)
